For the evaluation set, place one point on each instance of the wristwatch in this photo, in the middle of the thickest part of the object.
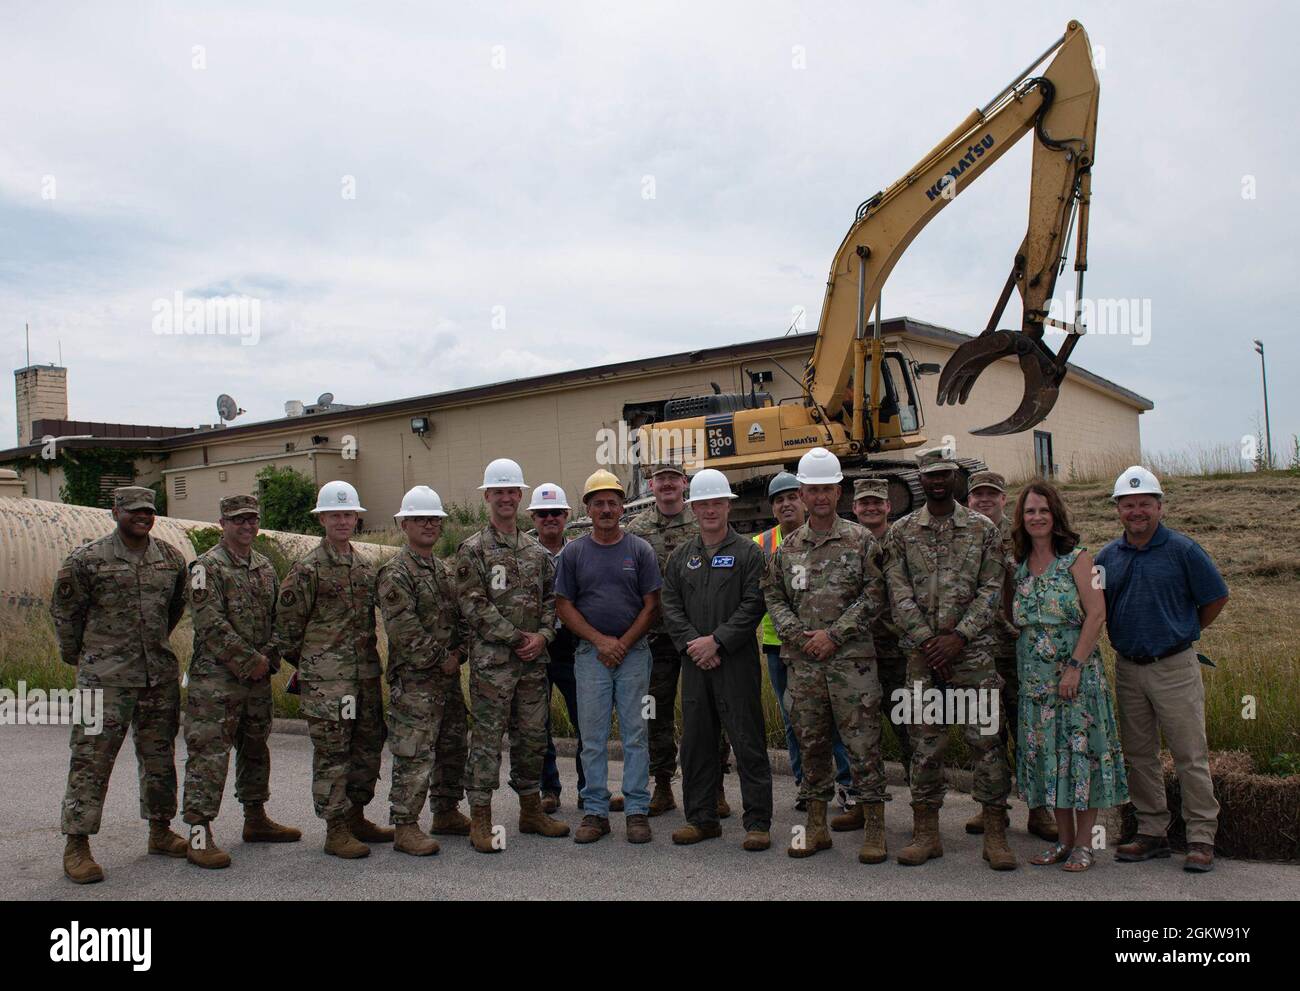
(1074, 662)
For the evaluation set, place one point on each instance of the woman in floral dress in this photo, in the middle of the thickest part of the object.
(1068, 756)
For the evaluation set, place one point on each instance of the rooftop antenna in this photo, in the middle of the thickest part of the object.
(227, 408)
(29, 343)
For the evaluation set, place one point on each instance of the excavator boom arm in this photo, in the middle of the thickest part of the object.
(1060, 106)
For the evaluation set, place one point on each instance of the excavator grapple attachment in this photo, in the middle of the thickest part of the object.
(1037, 364)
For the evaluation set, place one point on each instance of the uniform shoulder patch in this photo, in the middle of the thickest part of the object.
(392, 595)
(287, 597)
(65, 589)
(462, 571)
(199, 595)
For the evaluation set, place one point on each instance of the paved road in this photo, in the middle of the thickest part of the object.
(34, 767)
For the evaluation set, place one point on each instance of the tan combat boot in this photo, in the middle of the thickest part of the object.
(480, 828)
(662, 800)
(724, 808)
(975, 824)
(816, 836)
(448, 821)
(78, 864)
(261, 828)
(533, 820)
(1043, 824)
(164, 842)
(339, 841)
(203, 850)
(873, 839)
(925, 843)
(996, 851)
(407, 838)
(848, 820)
(365, 830)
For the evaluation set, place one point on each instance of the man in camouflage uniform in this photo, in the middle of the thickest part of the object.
(667, 525)
(427, 724)
(944, 567)
(115, 602)
(232, 602)
(325, 626)
(987, 494)
(872, 507)
(822, 587)
(506, 584)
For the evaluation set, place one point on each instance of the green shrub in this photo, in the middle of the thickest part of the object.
(287, 498)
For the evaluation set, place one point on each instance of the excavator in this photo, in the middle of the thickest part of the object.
(859, 394)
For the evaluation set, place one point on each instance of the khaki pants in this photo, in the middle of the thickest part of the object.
(1166, 696)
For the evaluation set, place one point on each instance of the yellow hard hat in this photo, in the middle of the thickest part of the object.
(602, 481)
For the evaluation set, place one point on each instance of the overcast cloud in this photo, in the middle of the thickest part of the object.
(500, 226)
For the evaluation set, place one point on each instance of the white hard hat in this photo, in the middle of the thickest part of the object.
(337, 497)
(503, 474)
(819, 467)
(548, 495)
(1136, 481)
(709, 483)
(420, 501)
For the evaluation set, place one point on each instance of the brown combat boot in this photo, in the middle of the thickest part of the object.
(365, 830)
(816, 836)
(407, 838)
(78, 864)
(261, 828)
(925, 843)
(480, 828)
(533, 820)
(996, 851)
(339, 841)
(691, 833)
(848, 820)
(448, 820)
(662, 800)
(873, 839)
(975, 824)
(1042, 823)
(203, 851)
(756, 840)
(164, 842)
(724, 809)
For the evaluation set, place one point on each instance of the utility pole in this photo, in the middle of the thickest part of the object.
(1268, 432)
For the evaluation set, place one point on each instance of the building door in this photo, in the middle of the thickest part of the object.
(1043, 453)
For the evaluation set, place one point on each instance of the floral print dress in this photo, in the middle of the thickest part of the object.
(1067, 754)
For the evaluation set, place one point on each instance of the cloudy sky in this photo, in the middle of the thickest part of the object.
(427, 196)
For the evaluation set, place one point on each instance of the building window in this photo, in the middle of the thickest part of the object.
(178, 486)
(1043, 453)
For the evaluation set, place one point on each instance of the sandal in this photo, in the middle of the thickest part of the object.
(1052, 855)
(1080, 860)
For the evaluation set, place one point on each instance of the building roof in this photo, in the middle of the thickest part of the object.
(904, 326)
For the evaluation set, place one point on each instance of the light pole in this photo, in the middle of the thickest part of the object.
(1263, 371)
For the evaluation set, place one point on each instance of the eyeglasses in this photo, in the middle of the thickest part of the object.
(426, 520)
(243, 520)
(548, 513)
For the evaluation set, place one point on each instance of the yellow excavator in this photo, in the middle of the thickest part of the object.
(859, 394)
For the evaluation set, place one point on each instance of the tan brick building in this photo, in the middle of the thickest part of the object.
(551, 425)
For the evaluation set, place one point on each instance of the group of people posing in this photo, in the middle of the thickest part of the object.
(952, 608)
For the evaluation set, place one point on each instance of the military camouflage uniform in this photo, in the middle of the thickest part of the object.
(831, 581)
(665, 534)
(1004, 650)
(232, 603)
(506, 587)
(945, 575)
(427, 724)
(891, 668)
(325, 626)
(113, 613)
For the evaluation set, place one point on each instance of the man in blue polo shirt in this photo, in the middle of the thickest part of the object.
(1161, 591)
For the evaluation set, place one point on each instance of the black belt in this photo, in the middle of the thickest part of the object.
(1151, 659)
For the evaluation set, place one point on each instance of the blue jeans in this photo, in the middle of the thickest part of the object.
(600, 692)
(776, 671)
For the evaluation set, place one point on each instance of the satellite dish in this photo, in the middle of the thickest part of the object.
(325, 399)
(227, 408)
